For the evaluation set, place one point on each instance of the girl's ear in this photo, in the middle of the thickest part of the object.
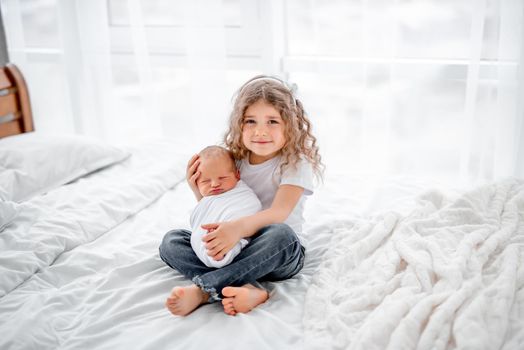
(237, 174)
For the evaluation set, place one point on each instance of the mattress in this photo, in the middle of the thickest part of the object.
(80, 266)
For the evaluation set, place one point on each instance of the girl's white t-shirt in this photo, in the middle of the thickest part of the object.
(265, 178)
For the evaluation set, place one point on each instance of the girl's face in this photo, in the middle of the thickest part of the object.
(262, 132)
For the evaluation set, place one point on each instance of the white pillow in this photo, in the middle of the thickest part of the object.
(33, 164)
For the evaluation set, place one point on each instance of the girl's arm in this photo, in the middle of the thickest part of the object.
(225, 235)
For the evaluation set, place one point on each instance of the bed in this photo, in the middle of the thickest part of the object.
(397, 262)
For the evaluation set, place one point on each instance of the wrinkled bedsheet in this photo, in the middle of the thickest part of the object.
(450, 274)
(79, 267)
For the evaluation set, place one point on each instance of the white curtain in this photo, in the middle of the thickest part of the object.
(428, 88)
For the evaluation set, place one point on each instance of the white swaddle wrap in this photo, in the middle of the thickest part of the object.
(233, 204)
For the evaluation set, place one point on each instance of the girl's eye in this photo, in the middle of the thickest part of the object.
(204, 181)
(274, 121)
(249, 121)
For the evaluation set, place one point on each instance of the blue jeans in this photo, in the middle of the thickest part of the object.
(273, 254)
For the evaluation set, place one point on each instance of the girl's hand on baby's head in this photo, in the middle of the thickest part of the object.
(192, 173)
(192, 166)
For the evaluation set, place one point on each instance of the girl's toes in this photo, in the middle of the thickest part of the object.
(229, 308)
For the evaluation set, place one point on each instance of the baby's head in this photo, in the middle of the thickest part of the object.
(218, 171)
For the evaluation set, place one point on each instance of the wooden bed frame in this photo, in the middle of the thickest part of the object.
(15, 108)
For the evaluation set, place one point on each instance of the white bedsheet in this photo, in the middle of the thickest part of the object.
(448, 275)
(80, 267)
(101, 284)
(47, 226)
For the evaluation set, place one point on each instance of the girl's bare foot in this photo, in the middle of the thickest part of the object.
(228, 306)
(242, 299)
(183, 300)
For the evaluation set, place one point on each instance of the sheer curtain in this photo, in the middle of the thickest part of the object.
(123, 70)
(428, 88)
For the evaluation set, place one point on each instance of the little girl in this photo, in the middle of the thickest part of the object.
(270, 137)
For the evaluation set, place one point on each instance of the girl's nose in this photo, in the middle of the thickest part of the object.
(215, 183)
(260, 130)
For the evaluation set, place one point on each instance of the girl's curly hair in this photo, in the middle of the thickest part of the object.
(297, 127)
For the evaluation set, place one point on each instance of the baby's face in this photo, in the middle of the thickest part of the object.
(217, 175)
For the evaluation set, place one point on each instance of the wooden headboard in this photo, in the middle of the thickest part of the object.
(15, 109)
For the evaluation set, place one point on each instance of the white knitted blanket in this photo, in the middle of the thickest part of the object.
(449, 275)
